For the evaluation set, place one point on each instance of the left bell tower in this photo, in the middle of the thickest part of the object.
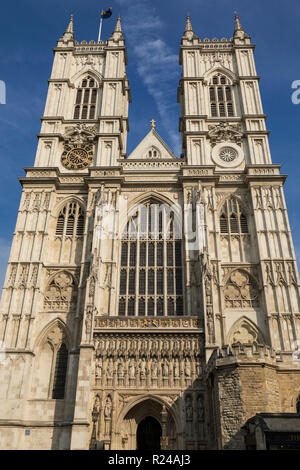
(85, 121)
(82, 137)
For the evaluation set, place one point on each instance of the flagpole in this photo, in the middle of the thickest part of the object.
(100, 27)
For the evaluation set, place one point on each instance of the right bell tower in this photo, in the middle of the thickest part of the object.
(250, 279)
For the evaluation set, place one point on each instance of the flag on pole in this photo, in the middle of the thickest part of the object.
(104, 14)
(107, 13)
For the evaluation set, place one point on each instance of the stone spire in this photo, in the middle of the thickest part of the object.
(188, 34)
(188, 26)
(118, 33)
(118, 28)
(69, 33)
(239, 32)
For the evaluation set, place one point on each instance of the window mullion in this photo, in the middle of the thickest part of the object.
(137, 265)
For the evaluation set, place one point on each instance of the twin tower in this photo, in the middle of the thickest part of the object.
(150, 302)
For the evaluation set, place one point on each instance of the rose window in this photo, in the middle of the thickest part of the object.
(228, 154)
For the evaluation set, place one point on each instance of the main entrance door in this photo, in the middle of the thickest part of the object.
(148, 434)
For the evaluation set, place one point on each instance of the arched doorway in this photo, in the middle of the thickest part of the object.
(148, 434)
(144, 418)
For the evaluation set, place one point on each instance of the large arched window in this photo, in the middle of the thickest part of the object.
(86, 99)
(220, 97)
(151, 264)
(70, 221)
(232, 219)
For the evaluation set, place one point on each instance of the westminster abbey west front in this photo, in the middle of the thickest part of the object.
(151, 302)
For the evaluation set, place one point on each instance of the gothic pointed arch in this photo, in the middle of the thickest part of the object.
(61, 204)
(233, 215)
(245, 331)
(87, 96)
(219, 81)
(150, 262)
(76, 79)
(156, 402)
(221, 70)
(51, 361)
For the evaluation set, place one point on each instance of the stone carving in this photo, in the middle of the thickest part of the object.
(12, 275)
(291, 274)
(131, 370)
(108, 408)
(154, 369)
(186, 322)
(280, 274)
(80, 134)
(143, 367)
(23, 276)
(187, 369)
(142, 359)
(225, 132)
(240, 291)
(120, 369)
(34, 275)
(189, 415)
(99, 369)
(61, 293)
(245, 332)
(26, 203)
(56, 335)
(200, 408)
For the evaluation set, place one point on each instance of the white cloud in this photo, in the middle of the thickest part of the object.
(157, 64)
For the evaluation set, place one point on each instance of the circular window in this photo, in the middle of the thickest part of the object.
(228, 154)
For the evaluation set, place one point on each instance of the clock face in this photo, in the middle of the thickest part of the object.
(77, 156)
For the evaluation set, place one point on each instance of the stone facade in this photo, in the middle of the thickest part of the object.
(105, 321)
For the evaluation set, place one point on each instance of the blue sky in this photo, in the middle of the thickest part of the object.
(153, 29)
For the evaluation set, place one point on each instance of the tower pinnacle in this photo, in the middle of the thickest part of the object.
(188, 26)
(239, 32)
(69, 33)
(118, 33)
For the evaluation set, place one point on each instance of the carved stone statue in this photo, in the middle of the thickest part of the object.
(165, 369)
(121, 369)
(200, 409)
(176, 369)
(107, 409)
(187, 369)
(99, 368)
(189, 409)
(154, 369)
(132, 370)
(110, 369)
(143, 367)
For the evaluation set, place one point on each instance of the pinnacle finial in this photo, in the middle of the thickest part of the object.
(239, 32)
(153, 124)
(118, 28)
(69, 33)
(188, 25)
(237, 24)
(70, 25)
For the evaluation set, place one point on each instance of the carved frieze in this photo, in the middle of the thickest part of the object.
(225, 132)
(147, 323)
